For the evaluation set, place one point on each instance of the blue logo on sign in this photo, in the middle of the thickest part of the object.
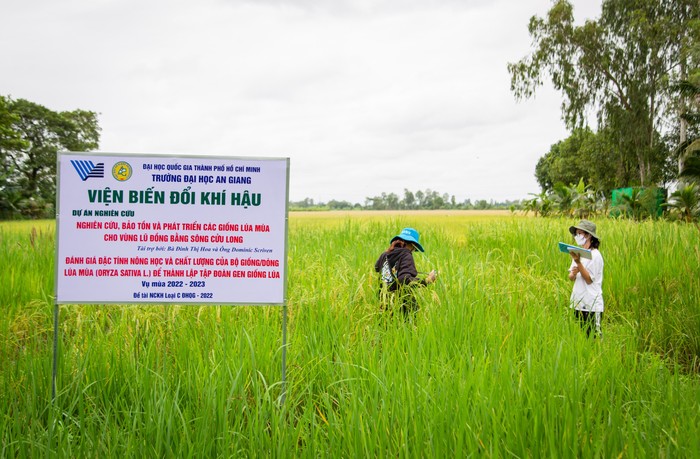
(87, 169)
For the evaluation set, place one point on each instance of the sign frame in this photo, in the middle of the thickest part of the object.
(87, 170)
(258, 291)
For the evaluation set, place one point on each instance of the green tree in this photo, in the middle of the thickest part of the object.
(584, 155)
(303, 204)
(420, 196)
(392, 201)
(618, 66)
(30, 161)
(339, 205)
(437, 201)
(409, 199)
(10, 140)
(427, 202)
(566, 161)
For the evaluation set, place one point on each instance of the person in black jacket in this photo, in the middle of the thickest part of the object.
(398, 272)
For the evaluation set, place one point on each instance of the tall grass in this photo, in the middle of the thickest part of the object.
(493, 366)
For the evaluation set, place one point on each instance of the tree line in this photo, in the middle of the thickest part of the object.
(578, 200)
(419, 200)
(30, 137)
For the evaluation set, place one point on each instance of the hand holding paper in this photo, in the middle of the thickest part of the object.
(567, 248)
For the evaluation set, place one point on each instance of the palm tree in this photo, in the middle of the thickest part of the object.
(685, 201)
(563, 197)
(541, 204)
(632, 204)
(584, 200)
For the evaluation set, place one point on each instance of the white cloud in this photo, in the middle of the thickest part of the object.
(364, 96)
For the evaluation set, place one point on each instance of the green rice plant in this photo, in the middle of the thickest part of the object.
(493, 365)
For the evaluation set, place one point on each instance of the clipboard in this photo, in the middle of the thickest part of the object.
(567, 248)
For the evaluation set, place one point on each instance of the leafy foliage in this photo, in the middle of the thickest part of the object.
(685, 202)
(618, 66)
(420, 200)
(573, 200)
(30, 137)
(581, 156)
(691, 169)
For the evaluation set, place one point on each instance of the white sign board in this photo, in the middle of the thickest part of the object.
(164, 229)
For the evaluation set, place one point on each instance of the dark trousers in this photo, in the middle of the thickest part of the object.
(590, 321)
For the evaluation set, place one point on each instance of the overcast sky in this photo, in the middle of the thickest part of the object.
(363, 96)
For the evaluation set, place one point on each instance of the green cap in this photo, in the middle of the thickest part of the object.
(584, 225)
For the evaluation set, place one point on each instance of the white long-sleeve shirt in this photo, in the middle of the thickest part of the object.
(585, 296)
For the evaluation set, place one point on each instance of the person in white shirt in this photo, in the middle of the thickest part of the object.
(587, 275)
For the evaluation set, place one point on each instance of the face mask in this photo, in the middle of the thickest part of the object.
(580, 239)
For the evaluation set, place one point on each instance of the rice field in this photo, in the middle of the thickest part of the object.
(493, 365)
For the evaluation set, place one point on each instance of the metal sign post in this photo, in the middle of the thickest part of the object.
(55, 352)
(283, 396)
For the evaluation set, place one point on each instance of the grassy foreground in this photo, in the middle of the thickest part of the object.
(493, 367)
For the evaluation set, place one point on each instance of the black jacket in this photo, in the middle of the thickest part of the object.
(403, 266)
